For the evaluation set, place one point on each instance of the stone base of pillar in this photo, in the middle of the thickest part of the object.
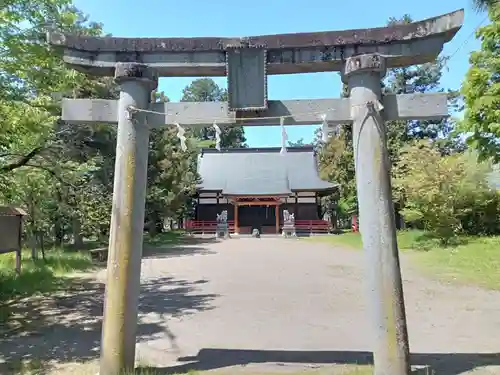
(422, 370)
(288, 231)
(222, 231)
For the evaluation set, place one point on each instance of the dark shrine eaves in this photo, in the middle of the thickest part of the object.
(256, 150)
(379, 35)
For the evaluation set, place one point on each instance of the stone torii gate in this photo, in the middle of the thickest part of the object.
(362, 57)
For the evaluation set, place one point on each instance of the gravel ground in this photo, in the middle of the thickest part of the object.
(266, 301)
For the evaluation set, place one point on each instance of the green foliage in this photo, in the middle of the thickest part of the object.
(336, 157)
(407, 240)
(445, 195)
(172, 178)
(166, 240)
(63, 174)
(472, 259)
(475, 260)
(298, 143)
(203, 90)
(336, 164)
(423, 78)
(40, 276)
(206, 90)
(481, 91)
(484, 5)
(46, 166)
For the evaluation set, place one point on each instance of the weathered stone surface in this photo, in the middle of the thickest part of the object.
(247, 79)
(302, 112)
(402, 45)
(136, 72)
(421, 370)
(447, 24)
(373, 62)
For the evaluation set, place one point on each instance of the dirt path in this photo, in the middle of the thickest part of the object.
(271, 300)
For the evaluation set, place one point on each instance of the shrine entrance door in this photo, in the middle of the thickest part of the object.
(260, 213)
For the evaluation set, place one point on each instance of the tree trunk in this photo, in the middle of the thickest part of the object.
(33, 243)
(58, 232)
(152, 229)
(159, 225)
(32, 230)
(104, 234)
(58, 229)
(42, 248)
(333, 219)
(77, 233)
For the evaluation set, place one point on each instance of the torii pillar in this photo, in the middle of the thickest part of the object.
(119, 328)
(363, 75)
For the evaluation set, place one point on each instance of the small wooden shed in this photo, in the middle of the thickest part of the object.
(11, 229)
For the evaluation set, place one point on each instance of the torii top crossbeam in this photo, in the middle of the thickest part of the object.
(408, 44)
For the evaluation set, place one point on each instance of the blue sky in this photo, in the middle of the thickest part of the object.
(167, 18)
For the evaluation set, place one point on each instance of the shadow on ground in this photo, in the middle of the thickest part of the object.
(174, 244)
(169, 244)
(211, 359)
(66, 327)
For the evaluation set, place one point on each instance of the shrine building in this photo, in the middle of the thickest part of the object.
(255, 185)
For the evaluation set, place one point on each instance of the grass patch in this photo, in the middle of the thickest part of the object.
(473, 260)
(346, 239)
(38, 277)
(407, 240)
(44, 276)
(173, 237)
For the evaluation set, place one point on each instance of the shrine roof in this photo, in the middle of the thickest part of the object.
(12, 211)
(260, 171)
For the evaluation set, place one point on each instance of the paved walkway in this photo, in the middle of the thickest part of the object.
(273, 300)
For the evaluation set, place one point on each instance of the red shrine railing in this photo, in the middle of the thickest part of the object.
(201, 226)
(313, 226)
(207, 226)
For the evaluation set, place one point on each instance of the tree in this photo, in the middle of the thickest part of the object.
(60, 173)
(481, 91)
(298, 143)
(484, 5)
(446, 195)
(424, 78)
(31, 74)
(203, 90)
(336, 164)
(63, 174)
(336, 157)
(206, 90)
(172, 178)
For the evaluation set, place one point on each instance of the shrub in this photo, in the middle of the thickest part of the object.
(447, 195)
